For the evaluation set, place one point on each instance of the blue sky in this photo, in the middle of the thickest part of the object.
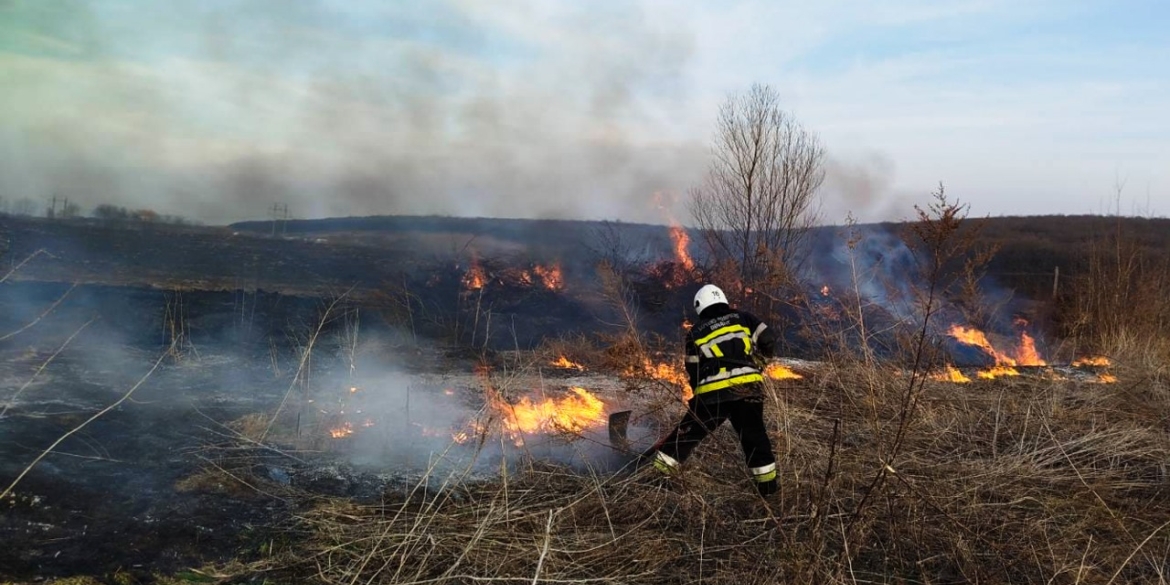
(524, 108)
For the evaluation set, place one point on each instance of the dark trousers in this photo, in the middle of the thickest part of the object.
(702, 418)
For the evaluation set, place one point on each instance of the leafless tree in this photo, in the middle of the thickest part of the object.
(758, 201)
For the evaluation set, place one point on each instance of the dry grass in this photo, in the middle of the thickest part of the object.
(885, 477)
(1024, 480)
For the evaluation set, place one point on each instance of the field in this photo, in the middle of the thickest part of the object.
(425, 401)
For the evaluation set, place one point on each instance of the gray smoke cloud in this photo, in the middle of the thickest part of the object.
(863, 186)
(217, 110)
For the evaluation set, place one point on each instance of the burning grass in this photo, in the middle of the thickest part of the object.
(1023, 480)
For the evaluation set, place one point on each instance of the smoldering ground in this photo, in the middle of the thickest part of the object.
(129, 486)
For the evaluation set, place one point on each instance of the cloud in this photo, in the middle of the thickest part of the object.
(543, 109)
(475, 113)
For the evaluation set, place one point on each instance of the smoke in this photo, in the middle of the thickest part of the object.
(218, 110)
(384, 415)
(862, 186)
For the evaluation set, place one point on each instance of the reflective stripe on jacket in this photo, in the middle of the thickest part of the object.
(722, 349)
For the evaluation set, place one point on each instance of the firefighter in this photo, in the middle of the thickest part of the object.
(725, 350)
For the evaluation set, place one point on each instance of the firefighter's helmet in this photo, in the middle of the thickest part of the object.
(707, 296)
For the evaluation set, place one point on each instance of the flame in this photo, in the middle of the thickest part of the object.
(1096, 361)
(550, 276)
(997, 372)
(687, 325)
(1026, 354)
(573, 413)
(780, 372)
(566, 363)
(681, 241)
(975, 337)
(678, 235)
(662, 372)
(825, 291)
(474, 278)
(341, 431)
(1107, 379)
(951, 374)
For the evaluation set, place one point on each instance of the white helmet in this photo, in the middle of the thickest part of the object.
(707, 296)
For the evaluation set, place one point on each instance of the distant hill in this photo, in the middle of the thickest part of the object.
(1026, 243)
(368, 249)
(529, 231)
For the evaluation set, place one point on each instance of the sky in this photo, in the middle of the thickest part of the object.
(217, 109)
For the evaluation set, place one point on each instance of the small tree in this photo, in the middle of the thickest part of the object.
(109, 212)
(756, 205)
(70, 210)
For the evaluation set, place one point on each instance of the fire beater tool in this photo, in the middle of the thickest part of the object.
(619, 426)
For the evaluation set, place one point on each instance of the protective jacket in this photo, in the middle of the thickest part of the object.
(726, 350)
(724, 354)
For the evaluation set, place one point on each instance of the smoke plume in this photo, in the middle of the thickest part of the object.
(218, 110)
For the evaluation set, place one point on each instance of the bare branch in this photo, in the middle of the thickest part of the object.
(756, 205)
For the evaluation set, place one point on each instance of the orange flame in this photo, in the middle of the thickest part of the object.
(951, 374)
(572, 413)
(687, 325)
(1107, 379)
(1026, 354)
(662, 372)
(474, 278)
(681, 241)
(997, 372)
(780, 372)
(825, 290)
(975, 337)
(341, 431)
(566, 363)
(1096, 361)
(550, 276)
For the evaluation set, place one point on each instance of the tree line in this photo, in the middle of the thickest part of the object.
(65, 209)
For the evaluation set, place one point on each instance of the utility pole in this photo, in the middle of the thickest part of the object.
(1055, 281)
(273, 214)
(53, 208)
(279, 214)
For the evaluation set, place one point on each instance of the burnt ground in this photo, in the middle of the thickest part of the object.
(129, 492)
(106, 498)
(410, 280)
(241, 305)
